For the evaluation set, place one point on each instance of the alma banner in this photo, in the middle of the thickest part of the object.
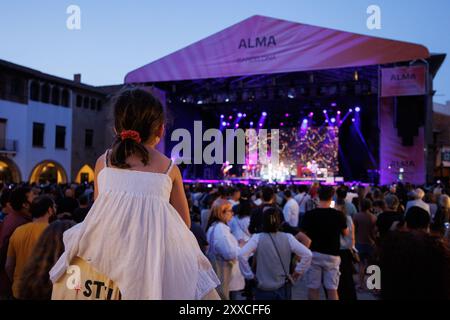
(403, 81)
(399, 162)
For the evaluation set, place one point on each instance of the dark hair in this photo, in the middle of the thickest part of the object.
(417, 218)
(326, 193)
(341, 192)
(414, 265)
(40, 206)
(267, 193)
(138, 110)
(18, 197)
(4, 198)
(243, 209)
(35, 283)
(271, 220)
(83, 200)
(287, 193)
(366, 205)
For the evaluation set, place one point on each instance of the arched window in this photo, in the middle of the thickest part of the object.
(45, 93)
(35, 89)
(55, 95)
(65, 101)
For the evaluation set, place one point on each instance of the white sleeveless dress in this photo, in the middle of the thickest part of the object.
(135, 237)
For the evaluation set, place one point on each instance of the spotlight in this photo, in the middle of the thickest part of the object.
(326, 120)
(222, 116)
(333, 104)
(227, 100)
(281, 124)
(237, 125)
(353, 120)
(200, 102)
(264, 114)
(286, 115)
(325, 111)
(260, 124)
(305, 121)
(251, 123)
(224, 123)
(339, 112)
(333, 120)
(239, 115)
(357, 109)
(311, 114)
(350, 110)
(244, 115)
(230, 117)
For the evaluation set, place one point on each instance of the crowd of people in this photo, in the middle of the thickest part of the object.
(138, 232)
(329, 235)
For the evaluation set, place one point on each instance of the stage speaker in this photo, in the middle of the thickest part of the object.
(410, 113)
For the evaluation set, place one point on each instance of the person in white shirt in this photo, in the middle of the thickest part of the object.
(291, 210)
(241, 220)
(302, 199)
(235, 196)
(418, 195)
(223, 249)
(273, 251)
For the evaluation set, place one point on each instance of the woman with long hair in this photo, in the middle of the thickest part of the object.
(35, 281)
(223, 249)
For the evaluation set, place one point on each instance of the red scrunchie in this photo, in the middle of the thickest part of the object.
(130, 134)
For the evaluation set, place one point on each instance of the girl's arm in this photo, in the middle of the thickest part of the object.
(178, 197)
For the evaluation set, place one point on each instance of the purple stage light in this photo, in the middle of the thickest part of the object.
(244, 115)
(228, 124)
(264, 114)
(333, 104)
(281, 124)
(339, 112)
(326, 120)
(350, 110)
(239, 115)
(227, 100)
(230, 117)
(357, 109)
(333, 120)
(224, 123)
(353, 120)
(251, 123)
(311, 114)
(286, 115)
(325, 111)
(237, 125)
(305, 121)
(222, 116)
(260, 124)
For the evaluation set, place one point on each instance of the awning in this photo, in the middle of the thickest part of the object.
(264, 45)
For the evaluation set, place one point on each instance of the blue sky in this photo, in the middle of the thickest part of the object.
(119, 36)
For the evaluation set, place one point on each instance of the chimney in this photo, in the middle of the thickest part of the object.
(77, 77)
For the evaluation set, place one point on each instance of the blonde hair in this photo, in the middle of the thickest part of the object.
(217, 210)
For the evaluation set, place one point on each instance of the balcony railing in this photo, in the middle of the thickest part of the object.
(8, 146)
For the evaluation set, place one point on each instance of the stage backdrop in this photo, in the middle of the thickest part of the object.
(396, 160)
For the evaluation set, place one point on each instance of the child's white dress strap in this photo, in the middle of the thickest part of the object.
(106, 157)
(170, 166)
